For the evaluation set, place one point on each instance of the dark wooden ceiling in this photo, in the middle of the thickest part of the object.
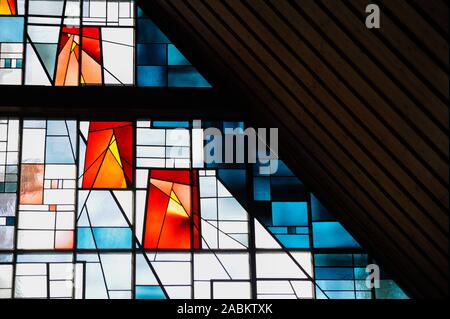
(363, 114)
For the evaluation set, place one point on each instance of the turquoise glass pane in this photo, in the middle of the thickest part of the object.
(294, 241)
(290, 213)
(334, 273)
(302, 230)
(149, 292)
(278, 230)
(235, 181)
(10, 221)
(363, 295)
(261, 188)
(360, 273)
(111, 237)
(174, 124)
(152, 76)
(175, 57)
(360, 284)
(360, 260)
(148, 32)
(332, 235)
(341, 294)
(336, 284)
(389, 290)
(85, 239)
(283, 170)
(185, 76)
(333, 259)
(318, 211)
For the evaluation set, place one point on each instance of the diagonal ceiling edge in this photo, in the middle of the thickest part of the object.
(362, 139)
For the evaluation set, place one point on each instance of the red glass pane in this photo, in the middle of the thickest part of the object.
(171, 199)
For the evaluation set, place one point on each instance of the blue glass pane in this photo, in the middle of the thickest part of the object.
(278, 230)
(361, 284)
(174, 124)
(318, 211)
(389, 290)
(332, 235)
(233, 125)
(320, 294)
(151, 54)
(112, 237)
(360, 260)
(294, 241)
(340, 294)
(290, 213)
(261, 188)
(334, 273)
(11, 29)
(10, 221)
(175, 57)
(186, 76)
(287, 188)
(363, 295)
(235, 181)
(85, 239)
(360, 273)
(283, 170)
(336, 284)
(148, 32)
(333, 259)
(152, 75)
(149, 292)
(140, 13)
(302, 230)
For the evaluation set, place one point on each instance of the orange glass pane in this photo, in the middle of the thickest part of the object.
(183, 193)
(108, 155)
(77, 47)
(110, 174)
(8, 7)
(72, 70)
(164, 186)
(90, 70)
(63, 61)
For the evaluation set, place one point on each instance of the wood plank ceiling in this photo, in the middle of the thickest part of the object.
(363, 114)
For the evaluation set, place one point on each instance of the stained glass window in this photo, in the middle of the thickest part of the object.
(142, 209)
(92, 209)
(88, 42)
